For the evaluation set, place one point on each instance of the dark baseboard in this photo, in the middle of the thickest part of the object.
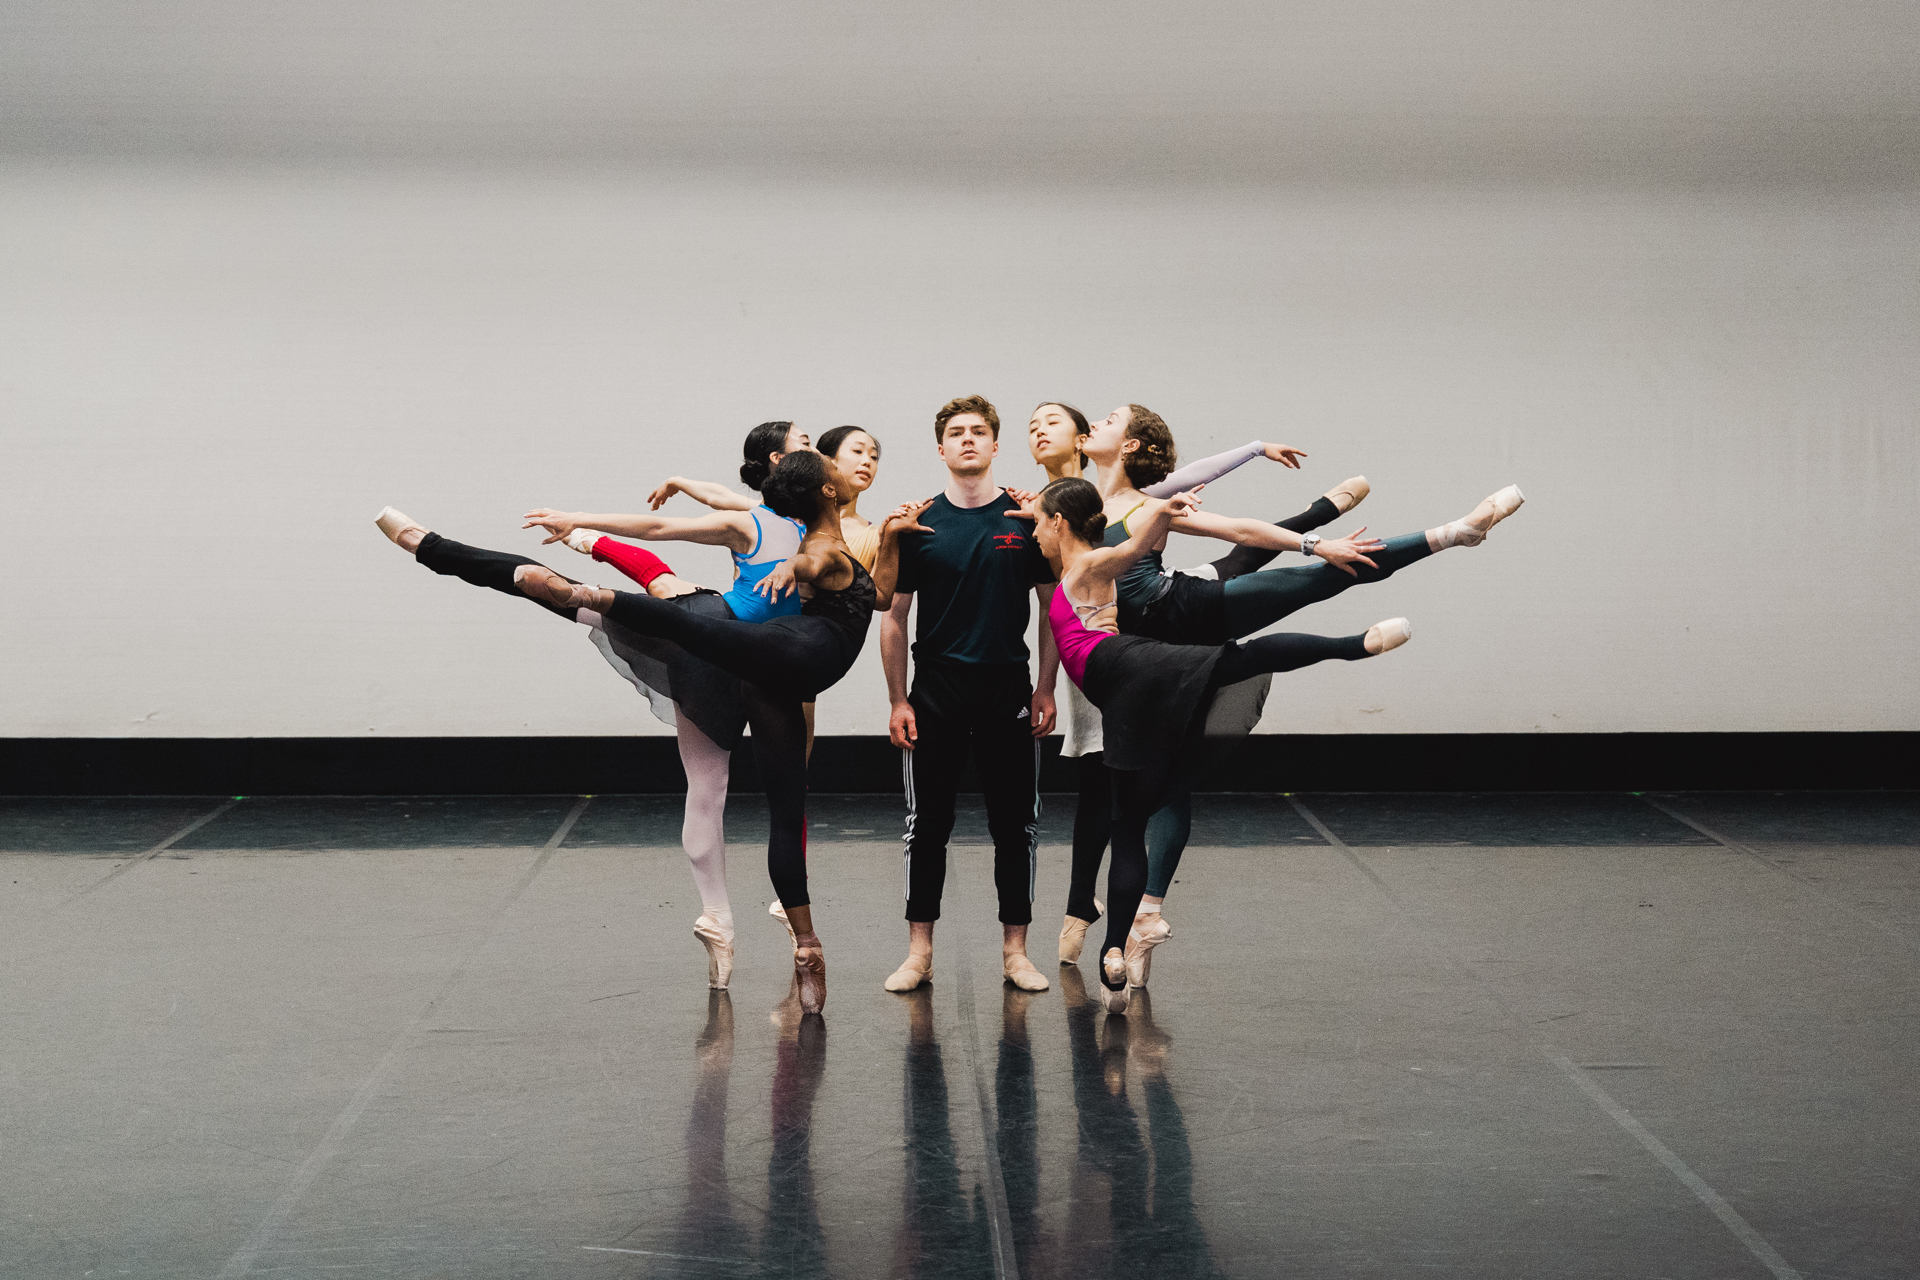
(1276, 762)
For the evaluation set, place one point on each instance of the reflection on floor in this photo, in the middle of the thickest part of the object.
(1589, 1035)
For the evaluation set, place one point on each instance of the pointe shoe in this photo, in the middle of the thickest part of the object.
(582, 540)
(543, 584)
(1141, 940)
(913, 971)
(395, 524)
(1073, 935)
(719, 945)
(1349, 494)
(1391, 634)
(1471, 529)
(1020, 972)
(1113, 968)
(779, 912)
(810, 973)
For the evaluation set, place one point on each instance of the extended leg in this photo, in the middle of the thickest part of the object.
(768, 654)
(480, 567)
(1243, 560)
(1259, 600)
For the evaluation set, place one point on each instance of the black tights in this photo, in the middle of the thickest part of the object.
(779, 726)
(1245, 559)
(1138, 793)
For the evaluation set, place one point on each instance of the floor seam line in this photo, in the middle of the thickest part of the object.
(999, 1217)
(1892, 931)
(309, 1170)
(154, 852)
(1729, 1217)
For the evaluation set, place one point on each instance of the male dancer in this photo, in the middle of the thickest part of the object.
(970, 686)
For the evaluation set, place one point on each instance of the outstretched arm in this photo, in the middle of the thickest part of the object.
(731, 529)
(705, 492)
(1195, 474)
(1342, 553)
(886, 564)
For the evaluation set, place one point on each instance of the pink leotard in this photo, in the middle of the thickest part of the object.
(1072, 637)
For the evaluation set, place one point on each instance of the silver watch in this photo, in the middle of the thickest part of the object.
(1308, 543)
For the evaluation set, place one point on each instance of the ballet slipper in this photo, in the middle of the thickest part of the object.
(719, 945)
(1391, 634)
(582, 540)
(1141, 940)
(1020, 972)
(1073, 935)
(1471, 529)
(1349, 494)
(1113, 969)
(810, 972)
(397, 525)
(913, 971)
(543, 584)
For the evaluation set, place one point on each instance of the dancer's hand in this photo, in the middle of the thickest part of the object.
(1029, 503)
(558, 523)
(778, 582)
(658, 498)
(1042, 713)
(1184, 503)
(1284, 454)
(1344, 553)
(906, 519)
(902, 729)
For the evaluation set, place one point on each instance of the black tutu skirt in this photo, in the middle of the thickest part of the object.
(705, 694)
(1190, 611)
(1149, 693)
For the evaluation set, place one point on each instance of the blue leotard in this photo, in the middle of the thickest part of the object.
(776, 538)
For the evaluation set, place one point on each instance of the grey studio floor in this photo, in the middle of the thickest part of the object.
(1421, 1035)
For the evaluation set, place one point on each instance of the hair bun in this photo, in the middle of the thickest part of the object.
(1095, 529)
(754, 474)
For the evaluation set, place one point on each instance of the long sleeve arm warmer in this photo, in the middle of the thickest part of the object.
(1205, 471)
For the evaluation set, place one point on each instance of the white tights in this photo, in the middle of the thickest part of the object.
(703, 830)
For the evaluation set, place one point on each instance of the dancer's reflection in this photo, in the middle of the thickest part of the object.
(943, 1232)
(1019, 1112)
(1152, 1228)
(794, 1244)
(707, 1225)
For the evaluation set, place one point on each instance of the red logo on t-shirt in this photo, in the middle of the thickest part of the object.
(1009, 541)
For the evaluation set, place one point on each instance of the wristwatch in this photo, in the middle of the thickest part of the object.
(1308, 543)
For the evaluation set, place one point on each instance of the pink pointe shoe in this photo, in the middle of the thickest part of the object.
(1113, 968)
(543, 584)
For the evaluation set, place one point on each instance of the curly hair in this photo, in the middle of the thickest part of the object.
(1154, 460)
(793, 487)
(965, 404)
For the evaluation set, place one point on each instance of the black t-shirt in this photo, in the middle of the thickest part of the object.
(972, 576)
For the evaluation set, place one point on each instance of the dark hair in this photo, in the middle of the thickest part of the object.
(830, 443)
(1153, 461)
(965, 404)
(1079, 502)
(764, 440)
(793, 487)
(1080, 426)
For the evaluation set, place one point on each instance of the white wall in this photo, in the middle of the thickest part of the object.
(210, 380)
